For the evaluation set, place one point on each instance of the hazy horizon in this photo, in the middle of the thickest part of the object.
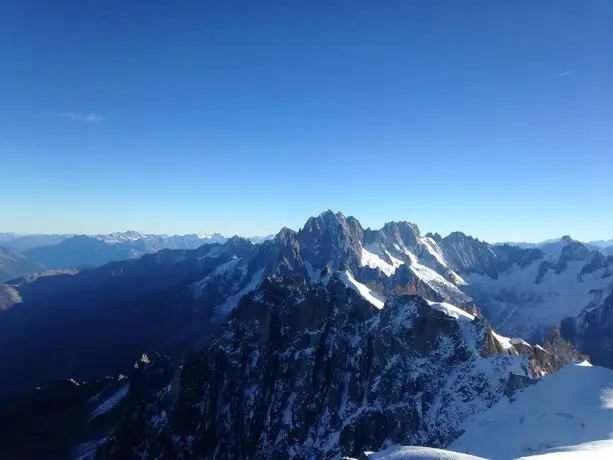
(604, 238)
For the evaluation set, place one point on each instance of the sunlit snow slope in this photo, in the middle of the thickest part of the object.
(567, 415)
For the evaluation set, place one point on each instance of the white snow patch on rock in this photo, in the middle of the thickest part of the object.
(451, 310)
(516, 305)
(372, 256)
(110, 402)
(232, 301)
(373, 297)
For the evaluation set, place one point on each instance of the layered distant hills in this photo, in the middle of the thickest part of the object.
(29, 254)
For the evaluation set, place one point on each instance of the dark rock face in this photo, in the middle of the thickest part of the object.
(280, 256)
(597, 261)
(302, 370)
(435, 236)
(592, 330)
(570, 251)
(469, 255)
(331, 239)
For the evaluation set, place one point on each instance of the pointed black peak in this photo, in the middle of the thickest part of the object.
(402, 226)
(403, 232)
(435, 236)
(460, 236)
(285, 235)
(329, 220)
(238, 241)
(328, 216)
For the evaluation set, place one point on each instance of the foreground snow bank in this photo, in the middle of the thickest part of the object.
(419, 453)
(567, 415)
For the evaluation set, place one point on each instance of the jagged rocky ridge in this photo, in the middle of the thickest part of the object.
(540, 288)
(306, 369)
(172, 300)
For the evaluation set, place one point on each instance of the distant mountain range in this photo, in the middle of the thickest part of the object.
(40, 252)
(52, 251)
(603, 245)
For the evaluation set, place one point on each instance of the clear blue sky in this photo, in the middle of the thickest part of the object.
(490, 117)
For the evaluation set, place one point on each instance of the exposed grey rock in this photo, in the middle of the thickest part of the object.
(470, 255)
(303, 370)
(592, 330)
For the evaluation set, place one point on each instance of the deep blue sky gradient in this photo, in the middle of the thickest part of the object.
(494, 118)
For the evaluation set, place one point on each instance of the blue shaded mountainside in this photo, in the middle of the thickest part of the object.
(93, 323)
(329, 341)
(93, 251)
(14, 265)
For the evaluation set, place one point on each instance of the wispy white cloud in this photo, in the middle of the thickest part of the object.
(85, 117)
(565, 73)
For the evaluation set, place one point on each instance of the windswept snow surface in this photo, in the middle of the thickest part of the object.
(437, 282)
(517, 305)
(373, 297)
(565, 416)
(226, 267)
(507, 343)
(418, 453)
(372, 257)
(110, 402)
(568, 414)
(434, 250)
(232, 301)
(451, 310)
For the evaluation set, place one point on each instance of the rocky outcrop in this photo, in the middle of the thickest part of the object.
(314, 370)
(592, 330)
(532, 293)
(331, 239)
(468, 255)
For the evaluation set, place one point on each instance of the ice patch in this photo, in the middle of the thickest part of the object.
(568, 414)
(222, 269)
(439, 284)
(451, 310)
(372, 257)
(373, 297)
(232, 300)
(418, 453)
(434, 250)
(505, 342)
(110, 402)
